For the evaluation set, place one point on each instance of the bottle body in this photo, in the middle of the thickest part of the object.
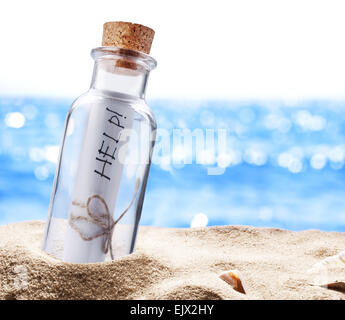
(102, 172)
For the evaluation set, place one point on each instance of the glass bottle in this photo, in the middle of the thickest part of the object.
(104, 162)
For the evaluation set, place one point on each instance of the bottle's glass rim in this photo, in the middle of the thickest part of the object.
(107, 53)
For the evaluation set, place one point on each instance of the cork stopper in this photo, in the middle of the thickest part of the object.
(127, 35)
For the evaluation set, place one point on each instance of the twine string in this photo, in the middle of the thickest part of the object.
(105, 220)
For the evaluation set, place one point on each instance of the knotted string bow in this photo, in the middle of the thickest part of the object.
(105, 220)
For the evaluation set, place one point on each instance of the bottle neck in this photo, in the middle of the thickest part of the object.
(121, 71)
(107, 76)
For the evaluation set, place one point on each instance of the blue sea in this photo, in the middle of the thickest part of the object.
(283, 165)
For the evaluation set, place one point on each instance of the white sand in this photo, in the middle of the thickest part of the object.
(173, 264)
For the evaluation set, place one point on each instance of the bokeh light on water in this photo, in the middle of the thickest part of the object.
(283, 166)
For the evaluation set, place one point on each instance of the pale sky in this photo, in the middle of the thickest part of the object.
(259, 49)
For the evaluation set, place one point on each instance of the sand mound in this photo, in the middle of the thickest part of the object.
(173, 264)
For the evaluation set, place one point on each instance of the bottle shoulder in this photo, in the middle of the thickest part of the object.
(97, 98)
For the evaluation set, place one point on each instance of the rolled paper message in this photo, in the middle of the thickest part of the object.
(97, 184)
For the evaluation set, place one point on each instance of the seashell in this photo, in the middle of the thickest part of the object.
(336, 286)
(319, 272)
(233, 278)
(332, 261)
